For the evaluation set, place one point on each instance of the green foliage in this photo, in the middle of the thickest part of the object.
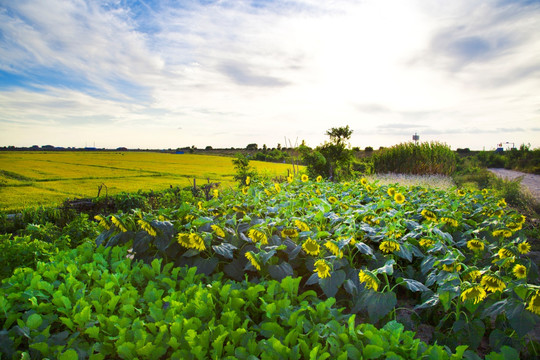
(413, 243)
(333, 159)
(17, 251)
(243, 169)
(420, 159)
(522, 159)
(100, 304)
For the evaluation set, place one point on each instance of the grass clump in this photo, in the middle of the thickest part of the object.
(419, 159)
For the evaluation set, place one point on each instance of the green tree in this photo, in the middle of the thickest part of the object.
(333, 159)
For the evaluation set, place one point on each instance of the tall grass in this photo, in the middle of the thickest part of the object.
(427, 158)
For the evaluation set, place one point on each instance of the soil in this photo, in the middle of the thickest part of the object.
(530, 181)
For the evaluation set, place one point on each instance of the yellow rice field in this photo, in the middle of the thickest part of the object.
(44, 178)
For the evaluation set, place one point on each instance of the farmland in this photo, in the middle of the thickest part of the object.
(288, 268)
(46, 178)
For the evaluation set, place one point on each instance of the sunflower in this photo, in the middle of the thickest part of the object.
(363, 181)
(146, 226)
(318, 192)
(399, 198)
(429, 215)
(370, 219)
(520, 271)
(118, 223)
(475, 245)
(258, 236)
(249, 255)
(425, 242)
(102, 221)
(461, 192)
(369, 280)
(218, 231)
(472, 274)
(319, 178)
(311, 247)
(334, 249)
(475, 293)
(449, 221)
(522, 219)
(305, 178)
(513, 226)
(389, 246)
(191, 241)
(290, 179)
(453, 267)
(322, 269)
(200, 205)
(248, 180)
(183, 239)
(332, 200)
(391, 192)
(505, 253)
(492, 283)
(534, 305)
(501, 203)
(267, 192)
(215, 193)
(524, 247)
(369, 188)
(196, 242)
(291, 233)
(245, 190)
(485, 192)
(301, 225)
(277, 187)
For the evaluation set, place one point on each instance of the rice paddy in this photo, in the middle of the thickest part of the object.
(45, 178)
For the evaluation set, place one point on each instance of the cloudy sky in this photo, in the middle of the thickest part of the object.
(174, 73)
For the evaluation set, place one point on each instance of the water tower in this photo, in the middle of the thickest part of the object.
(415, 138)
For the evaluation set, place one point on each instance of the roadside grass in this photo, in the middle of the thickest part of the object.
(430, 181)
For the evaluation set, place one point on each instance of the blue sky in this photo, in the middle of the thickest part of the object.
(171, 73)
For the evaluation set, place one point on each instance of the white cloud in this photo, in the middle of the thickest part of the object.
(230, 74)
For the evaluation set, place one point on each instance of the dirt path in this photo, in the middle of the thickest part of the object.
(530, 181)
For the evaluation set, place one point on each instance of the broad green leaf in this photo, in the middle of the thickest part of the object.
(372, 351)
(225, 249)
(521, 320)
(387, 268)
(206, 266)
(379, 304)
(364, 249)
(69, 355)
(414, 285)
(330, 285)
(404, 252)
(280, 271)
(34, 321)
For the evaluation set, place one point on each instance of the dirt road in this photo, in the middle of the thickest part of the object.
(530, 181)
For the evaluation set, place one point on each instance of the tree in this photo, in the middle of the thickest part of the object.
(252, 147)
(333, 159)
